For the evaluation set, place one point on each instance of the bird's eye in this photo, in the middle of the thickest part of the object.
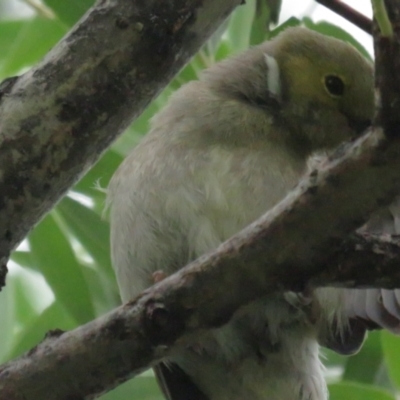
(334, 85)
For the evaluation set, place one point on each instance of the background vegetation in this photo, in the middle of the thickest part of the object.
(61, 276)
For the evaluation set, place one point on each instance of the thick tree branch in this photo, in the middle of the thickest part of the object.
(96, 357)
(363, 260)
(57, 119)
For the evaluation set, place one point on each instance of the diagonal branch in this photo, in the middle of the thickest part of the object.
(345, 11)
(296, 241)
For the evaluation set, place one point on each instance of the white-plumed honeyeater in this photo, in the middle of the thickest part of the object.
(224, 150)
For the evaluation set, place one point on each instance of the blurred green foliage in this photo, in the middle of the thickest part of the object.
(64, 276)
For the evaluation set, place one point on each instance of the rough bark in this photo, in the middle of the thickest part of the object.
(57, 119)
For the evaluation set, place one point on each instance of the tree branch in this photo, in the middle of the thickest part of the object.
(96, 357)
(363, 260)
(57, 119)
(348, 13)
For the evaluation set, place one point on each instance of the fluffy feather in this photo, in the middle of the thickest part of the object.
(224, 151)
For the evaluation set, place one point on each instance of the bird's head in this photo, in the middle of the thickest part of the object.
(327, 86)
(319, 89)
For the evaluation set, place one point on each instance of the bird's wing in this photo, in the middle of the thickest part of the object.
(345, 341)
(365, 309)
(378, 308)
(176, 384)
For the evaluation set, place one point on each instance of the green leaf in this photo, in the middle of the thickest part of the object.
(217, 38)
(335, 31)
(291, 22)
(260, 26)
(92, 232)
(364, 366)
(391, 350)
(275, 9)
(69, 11)
(100, 174)
(7, 313)
(333, 359)
(142, 387)
(239, 28)
(191, 71)
(223, 51)
(105, 293)
(24, 259)
(8, 32)
(52, 253)
(357, 391)
(24, 310)
(23, 43)
(53, 317)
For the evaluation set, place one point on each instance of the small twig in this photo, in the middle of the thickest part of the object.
(348, 13)
(382, 19)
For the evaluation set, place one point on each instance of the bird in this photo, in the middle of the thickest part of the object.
(224, 150)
